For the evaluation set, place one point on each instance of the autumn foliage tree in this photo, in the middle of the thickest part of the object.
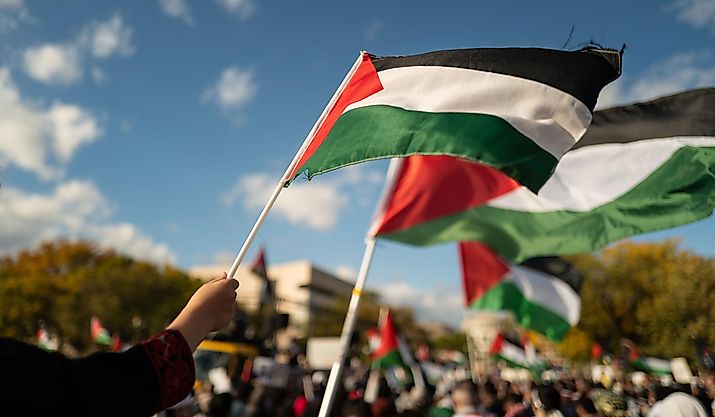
(63, 284)
(655, 294)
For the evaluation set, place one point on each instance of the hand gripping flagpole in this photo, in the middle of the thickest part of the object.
(336, 371)
(286, 177)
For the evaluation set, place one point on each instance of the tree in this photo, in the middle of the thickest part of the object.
(652, 293)
(64, 284)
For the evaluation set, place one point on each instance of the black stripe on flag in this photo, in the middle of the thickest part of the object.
(558, 268)
(691, 113)
(581, 74)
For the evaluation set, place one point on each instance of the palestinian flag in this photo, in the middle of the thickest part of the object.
(542, 293)
(509, 352)
(259, 268)
(99, 334)
(645, 364)
(387, 354)
(639, 168)
(515, 109)
(44, 340)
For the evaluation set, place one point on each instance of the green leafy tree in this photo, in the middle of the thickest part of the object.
(64, 284)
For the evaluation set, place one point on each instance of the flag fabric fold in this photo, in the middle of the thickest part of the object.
(542, 293)
(639, 168)
(516, 109)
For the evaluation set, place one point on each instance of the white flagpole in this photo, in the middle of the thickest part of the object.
(348, 326)
(336, 371)
(286, 176)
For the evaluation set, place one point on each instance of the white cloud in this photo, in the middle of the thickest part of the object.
(677, 73)
(61, 63)
(111, 37)
(697, 13)
(12, 13)
(126, 238)
(244, 9)
(316, 205)
(99, 76)
(41, 140)
(11, 4)
(53, 63)
(74, 209)
(429, 304)
(71, 127)
(223, 258)
(372, 30)
(233, 89)
(179, 9)
(346, 272)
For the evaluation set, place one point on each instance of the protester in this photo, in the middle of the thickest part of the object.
(585, 408)
(546, 401)
(678, 404)
(147, 378)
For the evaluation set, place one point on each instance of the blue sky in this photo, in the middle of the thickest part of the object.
(158, 127)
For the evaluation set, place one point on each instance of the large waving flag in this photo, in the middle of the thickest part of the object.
(542, 293)
(639, 168)
(515, 109)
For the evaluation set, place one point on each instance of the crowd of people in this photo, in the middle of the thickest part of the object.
(453, 394)
(157, 375)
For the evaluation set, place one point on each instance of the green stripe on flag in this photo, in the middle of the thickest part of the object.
(376, 132)
(506, 296)
(680, 191)
(389, 360)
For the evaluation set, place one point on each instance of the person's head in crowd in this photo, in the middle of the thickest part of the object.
(550, 397)
(513, 402)
(610, 404)
(582, 386)
(220, 405)
(356, 408)
(464, 397)
(546, 401)
(678, 404)
(383, 407)
(662, 391)
(585, 407)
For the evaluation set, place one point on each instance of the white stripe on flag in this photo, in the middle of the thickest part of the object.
(553, 119)
(581, 182)
(546, 291)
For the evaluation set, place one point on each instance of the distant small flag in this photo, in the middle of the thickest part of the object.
(387, 354)
(99, 334)
(596, 351)
(646, 364)
(509, 352)
(117, 344)
(259, 268)
(44, 340)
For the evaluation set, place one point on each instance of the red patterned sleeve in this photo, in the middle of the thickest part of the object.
(174, 365)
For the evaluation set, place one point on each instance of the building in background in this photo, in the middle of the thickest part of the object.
(302, 290)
